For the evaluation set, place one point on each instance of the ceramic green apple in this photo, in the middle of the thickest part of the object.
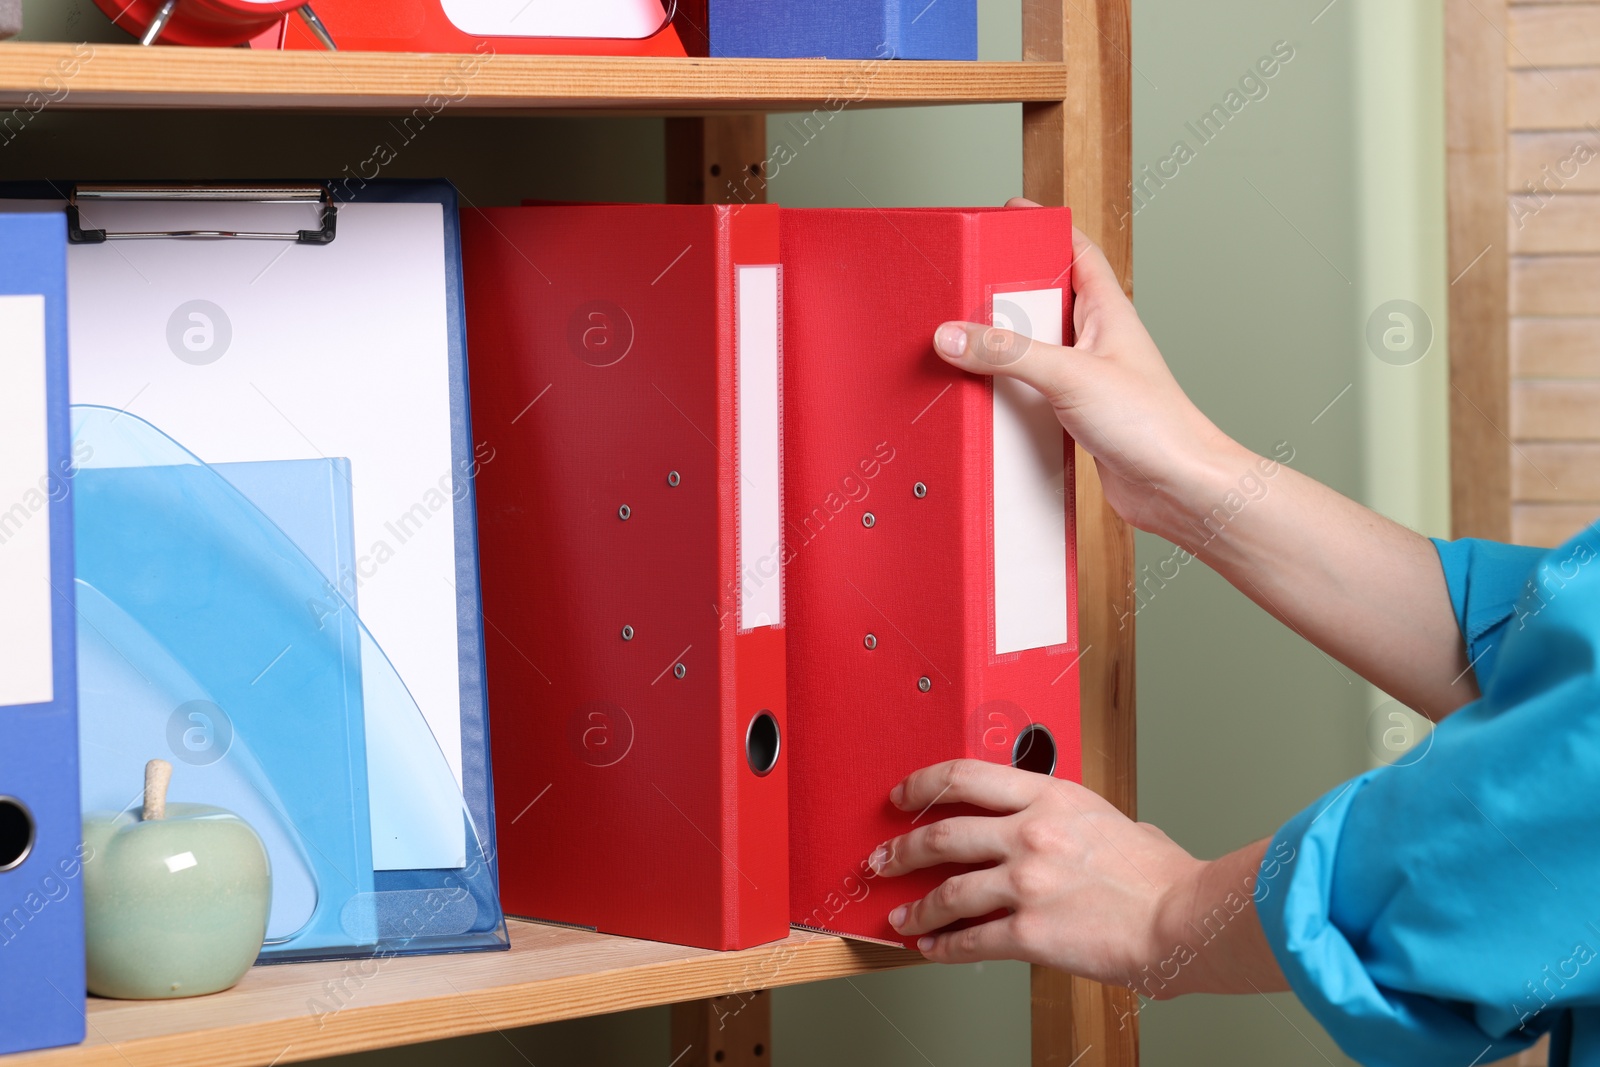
(175, 899)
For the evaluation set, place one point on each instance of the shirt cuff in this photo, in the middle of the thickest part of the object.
(1486, 580)
(1375, 1026)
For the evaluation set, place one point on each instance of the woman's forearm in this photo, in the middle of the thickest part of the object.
(1365, 590)
(1216, 941)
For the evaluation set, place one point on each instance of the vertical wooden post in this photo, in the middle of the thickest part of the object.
(1480, 362)
(719, 160)
(1079, 152)
(730, 1031)
(1477, 144)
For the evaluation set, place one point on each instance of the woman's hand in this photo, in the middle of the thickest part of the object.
(1088, 890)
(1112, 391)
(1365, 590)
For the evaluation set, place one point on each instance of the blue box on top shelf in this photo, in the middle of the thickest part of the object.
(834, 29)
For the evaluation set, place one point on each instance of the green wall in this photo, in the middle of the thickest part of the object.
(1244, 268)
(1256, 268)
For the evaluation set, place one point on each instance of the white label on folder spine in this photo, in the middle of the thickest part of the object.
(1030, 502)
(27, 650)
(760, 488)
(615, 19)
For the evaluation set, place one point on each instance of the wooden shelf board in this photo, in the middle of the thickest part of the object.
(107, 76)
(284, 1014)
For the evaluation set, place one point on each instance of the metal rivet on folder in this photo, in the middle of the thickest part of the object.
(627, 633)
(623, 512)
(869, 520)
(924, 683)
(871, 641)
(679, 671)
(919, 490)
(673, 479)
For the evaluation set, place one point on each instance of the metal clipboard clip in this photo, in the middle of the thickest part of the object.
(257, 193)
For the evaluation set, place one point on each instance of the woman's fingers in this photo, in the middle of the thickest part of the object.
(969, 839)
(1092, 277)
(990, 350)
(993, 940)
(1050, 369)
(1096, 290)
(963, 896)
(968, 781)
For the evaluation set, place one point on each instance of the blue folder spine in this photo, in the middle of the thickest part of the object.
(844, 29)
(41, 896)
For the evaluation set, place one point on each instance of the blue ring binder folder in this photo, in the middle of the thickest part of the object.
(41, 904)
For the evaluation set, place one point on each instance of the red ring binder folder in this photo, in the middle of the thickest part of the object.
(929, 529)
(626, 368)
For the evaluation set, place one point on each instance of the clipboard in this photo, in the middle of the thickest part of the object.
(277, 533)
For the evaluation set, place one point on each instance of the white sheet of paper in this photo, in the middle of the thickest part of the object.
(266, 350)
(27, 650)
(1030, 507)
(626, 19)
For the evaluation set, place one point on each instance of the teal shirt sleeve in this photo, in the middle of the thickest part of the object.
(1446, 911)
(1486, 579)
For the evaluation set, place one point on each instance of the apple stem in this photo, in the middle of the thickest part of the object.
(157, 776)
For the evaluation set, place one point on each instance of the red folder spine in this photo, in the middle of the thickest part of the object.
(1008, 255)
(914, 638)
(754, 656)
(624, 673)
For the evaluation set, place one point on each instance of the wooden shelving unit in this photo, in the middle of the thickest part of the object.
(125, 76)
(303, 1011)
(1074, 85)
